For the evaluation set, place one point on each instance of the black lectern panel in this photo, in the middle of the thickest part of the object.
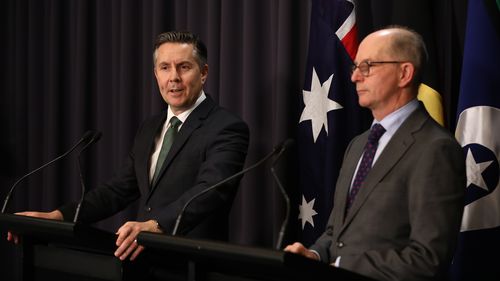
(56, 250)
(210, 260)
(59, 232)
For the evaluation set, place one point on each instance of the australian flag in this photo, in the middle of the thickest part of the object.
(330, 116)
(478, 124)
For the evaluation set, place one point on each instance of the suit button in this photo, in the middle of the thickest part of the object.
(339, 244)
(147, 209)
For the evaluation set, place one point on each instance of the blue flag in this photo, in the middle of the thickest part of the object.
(478, 131)
(331, 116)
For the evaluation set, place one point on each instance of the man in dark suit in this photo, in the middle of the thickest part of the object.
(399, 196)
(206, 145)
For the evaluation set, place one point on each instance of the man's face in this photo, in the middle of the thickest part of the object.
(179, 76)
(379, 90)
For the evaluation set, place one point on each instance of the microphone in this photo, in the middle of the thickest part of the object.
(276, 149)
(95, 138)
(286, 145)
(84, 138)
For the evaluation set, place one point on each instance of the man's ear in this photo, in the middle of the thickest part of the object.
(406, 74)
(154, 71)
(204, 73)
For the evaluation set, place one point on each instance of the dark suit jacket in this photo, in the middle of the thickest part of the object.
(210, 146)
(405, 220)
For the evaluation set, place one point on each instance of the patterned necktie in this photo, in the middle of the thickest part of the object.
(366, 162)
(168, 140)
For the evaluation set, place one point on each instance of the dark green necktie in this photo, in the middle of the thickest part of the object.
(168, 140)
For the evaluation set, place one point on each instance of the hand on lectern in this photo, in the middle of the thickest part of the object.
(54, 215)
(127, 238)
(298, 248)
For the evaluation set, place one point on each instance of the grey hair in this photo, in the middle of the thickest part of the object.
(409, 45)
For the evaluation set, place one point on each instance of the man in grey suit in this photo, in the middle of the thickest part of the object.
(399, 196)
(210, 145)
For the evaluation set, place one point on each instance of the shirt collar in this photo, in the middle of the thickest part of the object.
(393, 121)
(184, 115)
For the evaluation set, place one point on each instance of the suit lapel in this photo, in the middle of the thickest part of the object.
(347, 173)
(147, 146)
(398, 145)
(193, 122)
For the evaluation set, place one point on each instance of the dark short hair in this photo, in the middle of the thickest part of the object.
(200, 49)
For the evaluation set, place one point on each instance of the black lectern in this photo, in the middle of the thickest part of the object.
(210, 260)
(55, 250)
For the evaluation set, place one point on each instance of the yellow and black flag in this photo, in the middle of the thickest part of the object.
(433, 102)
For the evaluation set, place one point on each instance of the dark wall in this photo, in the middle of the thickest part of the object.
(71, 66)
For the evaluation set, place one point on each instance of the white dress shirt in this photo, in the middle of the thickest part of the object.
(159, 139)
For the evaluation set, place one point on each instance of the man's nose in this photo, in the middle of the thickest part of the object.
(356, 75)
(174, 75)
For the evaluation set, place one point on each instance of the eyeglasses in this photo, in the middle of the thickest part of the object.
(364, 66)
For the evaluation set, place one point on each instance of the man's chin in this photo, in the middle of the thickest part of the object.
(363, 103)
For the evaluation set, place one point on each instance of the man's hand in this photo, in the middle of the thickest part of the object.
(298, 248)
(54, 215)
(127, 234)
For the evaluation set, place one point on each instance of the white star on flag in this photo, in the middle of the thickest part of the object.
(306, 212)
(475, 170)
(317, 104)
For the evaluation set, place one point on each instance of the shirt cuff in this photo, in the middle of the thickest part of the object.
(336, 263)
(317, 254)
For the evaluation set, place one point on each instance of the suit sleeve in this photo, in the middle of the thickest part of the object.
(110, 197)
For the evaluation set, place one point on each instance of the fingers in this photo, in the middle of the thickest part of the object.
(32, 214)
(11, 237)
(137, 251)
(126, 241)
(123, 233)
(126, 249)
(54, 215)
(26, 213)
(296, 248)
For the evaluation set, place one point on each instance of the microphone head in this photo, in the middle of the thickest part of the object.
(288, 143)
(88, 134)
(97, 136)
(284, 145)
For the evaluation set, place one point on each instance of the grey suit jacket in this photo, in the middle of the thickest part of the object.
(210, 146)
(405, 220)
